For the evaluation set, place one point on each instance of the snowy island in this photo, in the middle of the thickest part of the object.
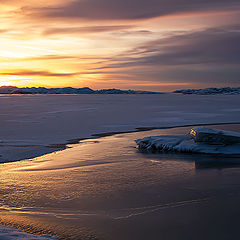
(67, 90)
(87, 90)
(210, 91)
(198, 140)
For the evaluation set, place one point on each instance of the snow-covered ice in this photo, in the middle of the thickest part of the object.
(30, 123)
(9, 233)
(214, 136)
(198, 140)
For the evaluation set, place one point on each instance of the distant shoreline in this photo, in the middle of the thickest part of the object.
(86, 90)
(68, 90)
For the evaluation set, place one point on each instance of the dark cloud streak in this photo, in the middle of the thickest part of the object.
(85, 30)
(134, 9)
(207, 57)
(38, 73)
(210, 46)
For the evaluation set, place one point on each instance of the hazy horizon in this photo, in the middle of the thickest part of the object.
(106, 88)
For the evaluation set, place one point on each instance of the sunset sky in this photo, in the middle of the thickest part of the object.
(159, 45)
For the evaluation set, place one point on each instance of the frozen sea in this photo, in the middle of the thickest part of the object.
(32, 125)
(104, 188)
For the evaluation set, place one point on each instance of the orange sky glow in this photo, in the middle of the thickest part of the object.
(52, 45)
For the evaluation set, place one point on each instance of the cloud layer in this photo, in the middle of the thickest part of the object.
(37, 73)
(209, 46)
(210, 56)
(134, 9)
(140, 44)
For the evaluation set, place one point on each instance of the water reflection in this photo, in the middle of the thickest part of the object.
(202, 161)
(107, 189)
(218, 162)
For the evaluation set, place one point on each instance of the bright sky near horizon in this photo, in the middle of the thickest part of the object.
(159, 45)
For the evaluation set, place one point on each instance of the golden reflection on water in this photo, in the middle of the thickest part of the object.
(81, 190)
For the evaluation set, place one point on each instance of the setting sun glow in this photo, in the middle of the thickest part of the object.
(155, 47)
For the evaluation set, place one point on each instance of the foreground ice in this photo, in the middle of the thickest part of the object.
(198, 140)
(9, 233)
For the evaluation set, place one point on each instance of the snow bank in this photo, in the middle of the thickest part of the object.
(214, 136)
(208, 91)
(9, 233)
(198, 140)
